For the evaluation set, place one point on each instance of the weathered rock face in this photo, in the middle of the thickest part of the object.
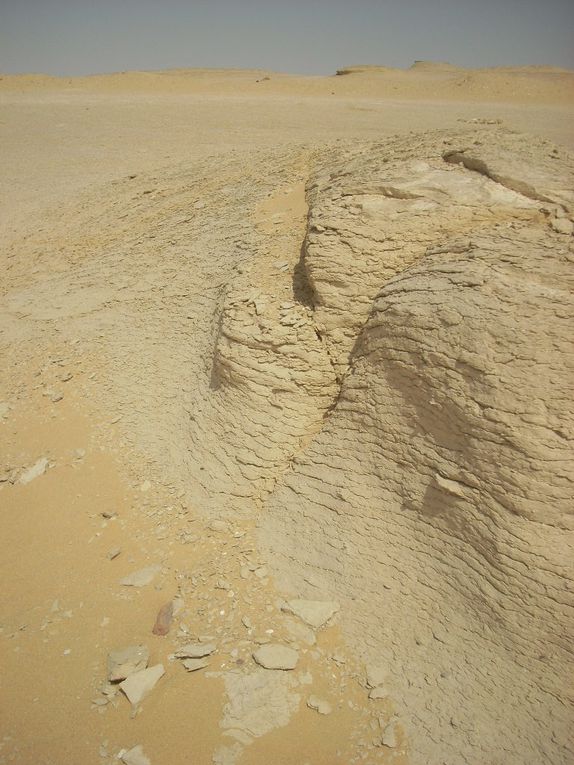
(435, 503)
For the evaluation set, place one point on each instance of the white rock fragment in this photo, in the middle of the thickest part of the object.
(276, 656)
(135, 756)
(35, 471)
(320, 705)
(137, 686)
(195, 650)
(315, 613)
(125, 661)
(141, 578)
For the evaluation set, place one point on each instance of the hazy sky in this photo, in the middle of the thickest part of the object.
(301, 36)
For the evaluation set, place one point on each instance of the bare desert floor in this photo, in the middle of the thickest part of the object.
(132, 206)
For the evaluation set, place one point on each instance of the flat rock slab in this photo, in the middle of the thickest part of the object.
(192, 665)
(126, 661)
(135, 756)
(141, 578)
(315, 613)
(35, 471)
(258, 702)
(195, 650)
(275, 656)
(137, 686)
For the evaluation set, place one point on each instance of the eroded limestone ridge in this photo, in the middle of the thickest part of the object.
(386, 377)
(436, 502)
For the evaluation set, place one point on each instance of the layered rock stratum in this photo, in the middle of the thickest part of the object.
(367, 347)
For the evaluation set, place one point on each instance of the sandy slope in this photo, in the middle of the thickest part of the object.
(134, 208)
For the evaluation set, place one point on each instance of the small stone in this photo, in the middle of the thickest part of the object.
(55, 397)
(163, 619)
(195, 650)
(192, 665)
(275, 656)
(145, 486)
(140, 578)
(315, 613)
(137, 686)
(135, 756)
(109, 514)
(125, 661)
(79, 454)
(114, 552)
(320, 705)
(37, 469)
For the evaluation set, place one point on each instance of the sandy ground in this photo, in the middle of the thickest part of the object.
(63, 607)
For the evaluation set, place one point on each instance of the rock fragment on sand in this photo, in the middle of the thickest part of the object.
(135, 756)
(276, 656)
(137, 686)
(141, 577)
(114, 552)
(125, 661)
(192, 665)
(315, 613)
(35, 471)
(195, 650)
(320, 705)
(390, 738)
(163, 619)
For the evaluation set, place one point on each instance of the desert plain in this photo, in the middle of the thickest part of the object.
(286, 408)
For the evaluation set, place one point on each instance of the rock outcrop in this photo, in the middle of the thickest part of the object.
(435, 503)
